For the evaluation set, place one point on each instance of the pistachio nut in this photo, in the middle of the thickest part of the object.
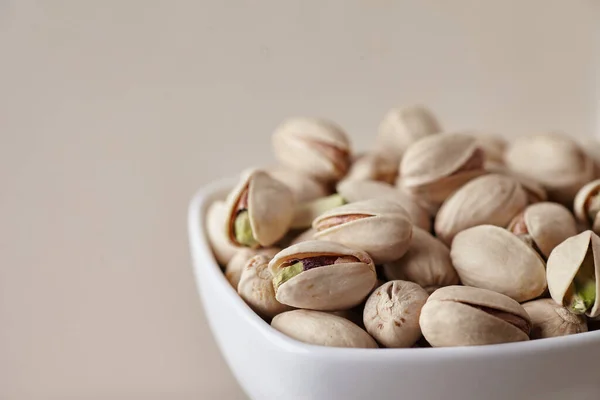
(587, 205)
(544, 226)
(490, 257)
(554, 160)
(222, 249)
(427, 263)
(353, 191)
(549, 319)
(322, 329)
(308, 234)
(435, 166)
(256, 288)
(322, 275)
(303, 187)
(572, 270)
(305, 213)
(381, 227)
(374, 166)
(235, 266)
(313, 146)
(402, 126)
(392, 313)
(259, 211)
(469, 316)
(489, 199)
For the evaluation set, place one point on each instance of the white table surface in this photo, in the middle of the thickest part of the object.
(112, 113)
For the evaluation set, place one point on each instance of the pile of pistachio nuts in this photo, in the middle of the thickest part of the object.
(430, 239)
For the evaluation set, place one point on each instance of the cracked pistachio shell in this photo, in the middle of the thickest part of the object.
(303, 187)
(322, 329)
(353, 191)
(222, 248)
(426, 263)
(305, 213)
(566, 262)
(313, 146)
(392, 313)
(549, 319)
(435, 166)
(270, 207)
(468, 316)
(546, 224)
(587, 205)
(381, 227)
(402, 126)
(490, 199)
(235, 266)
(333, 287)
(490, 257)
(256, 288)
(554, 160)
(373, 166)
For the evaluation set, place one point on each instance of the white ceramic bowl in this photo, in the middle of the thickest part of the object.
(270, 365)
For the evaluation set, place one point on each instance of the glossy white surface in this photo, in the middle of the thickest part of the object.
(269, 365)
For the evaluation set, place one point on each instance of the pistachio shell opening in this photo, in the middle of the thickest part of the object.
(573, 268)
(381, 227)
(322, 275)
(468, 316)
(550, 319)
(305, 213)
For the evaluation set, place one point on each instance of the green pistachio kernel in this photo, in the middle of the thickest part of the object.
(287, 273)
(584, 286)
(243, 230)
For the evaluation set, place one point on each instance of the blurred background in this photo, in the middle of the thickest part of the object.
(113, 113)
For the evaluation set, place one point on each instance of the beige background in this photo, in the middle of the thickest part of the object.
(112, 113)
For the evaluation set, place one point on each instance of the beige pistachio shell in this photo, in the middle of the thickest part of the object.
(439, 156)
(256, 288)
(554, 160)
(303, 187)
(222, 248)
(333, 287)
(323, 329)
(381, 227)
(313, 146)
(305, 213)
(426, 263)
(583, 202)
(490, 199)
(547, 224)
(373, 167)
(468, 316)
(490, 257)
(392, 313)
(403, 126)
(270, 208)
(235, 266)
(565, 262)
(549, 319)
(353, 191)
(354, 315)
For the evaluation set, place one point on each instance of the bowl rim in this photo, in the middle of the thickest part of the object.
(201, 250)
